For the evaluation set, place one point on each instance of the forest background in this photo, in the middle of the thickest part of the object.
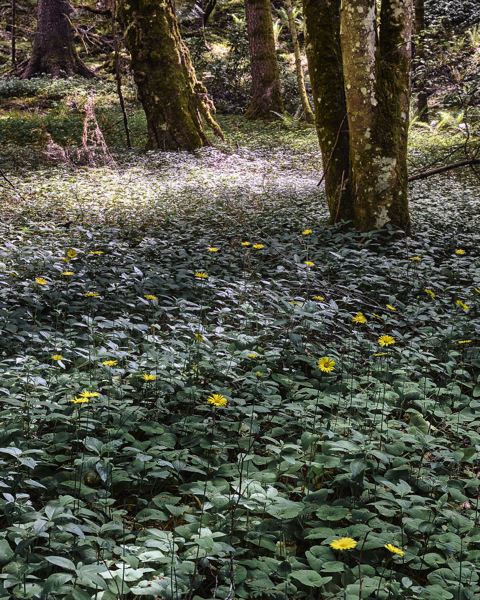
(208, 390)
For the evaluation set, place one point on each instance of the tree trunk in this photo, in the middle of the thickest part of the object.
(298, 64)
(173, 99)
(54, 49)
(322, 24)
(422, 100)
(371, 86)
(266, 90)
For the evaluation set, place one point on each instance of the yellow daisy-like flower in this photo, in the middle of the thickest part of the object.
(96, 252)
(245, 243)
(378, 316)
(307, 232)
(149, 377)
(389, 306)
(217, 400)
(110, 363)
(386, 340)
(66, 260)
(253, 355)
(359, 318)
(394, 550)
(259, 373)
(343, 544)
(86, 394)
(72, 253)
(57, 357)
(309, 263)
(67, 273)
(213, 249)
(430, 293)
(41, 280)
(459, 251)
(258, 246)
(318, 298)
(199, 337)
(464, 342)
(381, 354)
(415, 258)
(326, 364)
(462, 305)
(201, 275)
(80, 400)
(150, 297)
(294, 303)
(91, 294)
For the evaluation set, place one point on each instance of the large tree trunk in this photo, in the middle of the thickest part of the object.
(266, 90)
(173, 99)
(298, 64)
(372, 88)
(54, 49)
(324, 55)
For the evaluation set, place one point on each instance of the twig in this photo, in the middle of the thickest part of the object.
(444, 169)
(333, 150)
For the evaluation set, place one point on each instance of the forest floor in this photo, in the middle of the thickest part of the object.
(204, 386)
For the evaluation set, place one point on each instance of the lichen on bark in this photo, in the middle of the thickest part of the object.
(173, 99)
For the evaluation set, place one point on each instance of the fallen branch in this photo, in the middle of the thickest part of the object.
(444, 169)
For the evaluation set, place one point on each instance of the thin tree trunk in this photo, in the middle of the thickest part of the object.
(377, 91)
(322, 21)
(266, 89)
(118, 75)
(298, 64)
(54, 49)
(173, 99)
(14, 14)
(422, 100)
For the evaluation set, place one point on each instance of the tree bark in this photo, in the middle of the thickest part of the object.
(322, 21)
(173, 99)
(369, 81)
(298, 64)
(266, 89)
(54, 49)
(422, 100)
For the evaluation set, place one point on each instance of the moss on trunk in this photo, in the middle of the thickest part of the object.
(266, 90)
(173, 99)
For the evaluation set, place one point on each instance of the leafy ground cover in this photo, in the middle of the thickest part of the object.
(208, 393)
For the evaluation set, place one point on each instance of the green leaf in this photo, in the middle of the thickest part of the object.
(310, 578)
(62, 562)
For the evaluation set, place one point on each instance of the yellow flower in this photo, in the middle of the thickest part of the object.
(201, 275)
(391, 307)
(381, 354)
(309, 263)
(217, 400)
(199, 337)
(294, 303)
(66, 260)
(253, 355)
(318, 298)
(394, 550)
(306, 232)
(259, 373)
(378, 316)
(415, 258)
(326, 364)
(96, 252)
(213, 249)
(91, 294)
(245, 243)
(459, 251)
(258, 246)
(41, 280)
(71, 253)
(359, 318)
(66, 273)
(150, 297)
(57, 357)
(477, 290)
(343, 544)
(462, 305)
(80, 400)
(86, 394)
(460, 342)
(110, 363)
(386, 340)
(149, 377)
(430, 293)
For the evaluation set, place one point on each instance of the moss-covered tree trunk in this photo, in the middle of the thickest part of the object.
(307, 111)
(173, 99)
(370, 84)
(322, 21)
(54, 49)
(266, 90)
